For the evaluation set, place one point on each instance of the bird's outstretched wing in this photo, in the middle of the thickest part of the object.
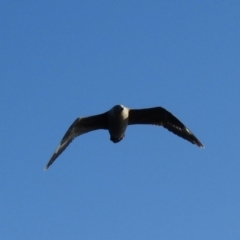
(79, 126)
(161, 117)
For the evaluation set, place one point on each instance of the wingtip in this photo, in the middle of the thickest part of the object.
(47, 167)
(199, 144)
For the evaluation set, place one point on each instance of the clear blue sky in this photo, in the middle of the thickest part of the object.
(64, 59)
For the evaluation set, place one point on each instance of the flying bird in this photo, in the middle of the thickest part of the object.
(116, 121)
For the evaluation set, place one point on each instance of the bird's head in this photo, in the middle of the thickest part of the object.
(117, 109)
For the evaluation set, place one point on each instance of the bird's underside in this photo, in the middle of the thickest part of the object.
(116, 121)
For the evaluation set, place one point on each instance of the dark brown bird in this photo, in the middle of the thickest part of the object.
(116, 121)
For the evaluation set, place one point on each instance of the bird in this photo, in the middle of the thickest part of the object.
(116, 121)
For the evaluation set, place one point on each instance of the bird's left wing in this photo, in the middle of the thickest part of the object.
(161, 117)
(79, 127)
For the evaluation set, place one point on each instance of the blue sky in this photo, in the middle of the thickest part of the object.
(64, 59)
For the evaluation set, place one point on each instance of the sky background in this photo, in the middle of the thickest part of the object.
(63, 59)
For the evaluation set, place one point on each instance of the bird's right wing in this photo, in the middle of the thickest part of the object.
(79, 127)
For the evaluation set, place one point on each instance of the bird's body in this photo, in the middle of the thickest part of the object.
(116, 121)
(118, 116)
